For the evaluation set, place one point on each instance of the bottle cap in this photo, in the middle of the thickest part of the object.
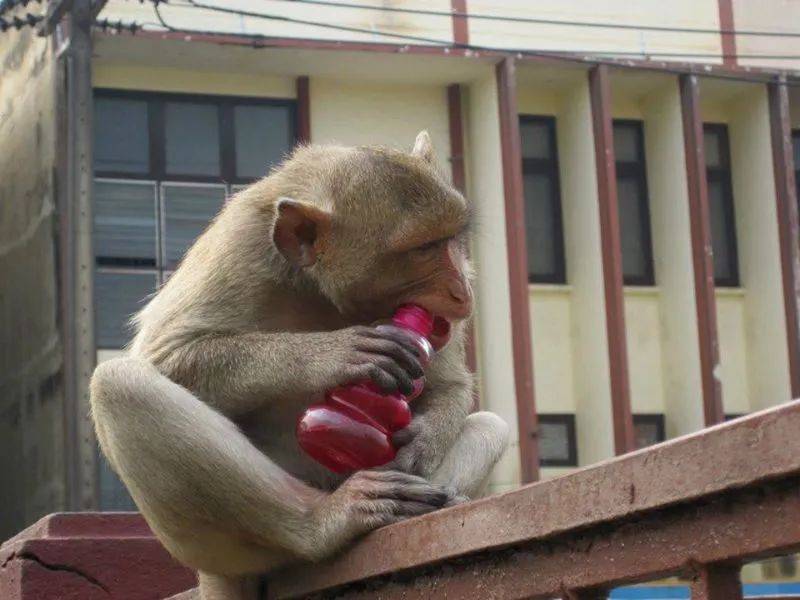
(413, 316)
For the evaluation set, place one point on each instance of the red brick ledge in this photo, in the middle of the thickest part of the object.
(88, 556)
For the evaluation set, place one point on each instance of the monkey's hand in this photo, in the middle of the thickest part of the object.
(421, 448)
(371, 499)
(386, 356)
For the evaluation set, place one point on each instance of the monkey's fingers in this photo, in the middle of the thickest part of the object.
(384, 372)
(394, 350)
(409, 488)
(398, 335)
(397, 508)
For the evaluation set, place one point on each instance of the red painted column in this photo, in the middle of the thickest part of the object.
(455, 117)
(600, 91)
(788, 229)
(727, 25)
(303, 132)
(88, 556)
(527, 419)
(717, 582)
(702, 254)
(460, 23)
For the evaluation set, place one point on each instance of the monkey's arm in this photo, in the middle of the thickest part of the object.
(238, 373)
(439, 413)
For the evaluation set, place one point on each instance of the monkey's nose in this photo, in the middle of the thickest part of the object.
(458, 291)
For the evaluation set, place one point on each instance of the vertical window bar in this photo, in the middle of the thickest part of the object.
(227, 143)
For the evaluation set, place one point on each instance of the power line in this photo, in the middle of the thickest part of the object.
(537, 21)
(447, 43)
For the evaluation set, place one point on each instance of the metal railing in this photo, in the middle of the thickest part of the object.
(699, 506)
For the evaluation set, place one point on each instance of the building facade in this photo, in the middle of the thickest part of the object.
(632, 174)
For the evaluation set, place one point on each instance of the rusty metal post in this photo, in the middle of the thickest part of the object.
(78, 262)
(590, 594)
(702, 254)
(600, 91)
(717, 582)
(457, 167)
(788, 228)
(527, 419)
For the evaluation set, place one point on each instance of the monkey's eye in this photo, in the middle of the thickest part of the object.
(429, 247)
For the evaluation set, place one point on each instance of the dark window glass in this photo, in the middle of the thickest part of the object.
(121, 140)
(188, 209)
(192, 138)
(544, 236)
(536, 134)
(732, 416)
(125, 223)
(263, 134)
(796, 145)
(648, 430)
(113, 493)
(557, 443)
(720, 205)
(632, 203)
(118, 296)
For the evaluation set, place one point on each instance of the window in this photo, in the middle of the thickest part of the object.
(632, 200)
(557, 443)
(544, 235)
(796, 147)
(164, 164)
(648, 430)
(732, 416)
(720, 205)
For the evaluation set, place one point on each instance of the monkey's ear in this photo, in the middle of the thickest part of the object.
(423, 147)
(299, 228)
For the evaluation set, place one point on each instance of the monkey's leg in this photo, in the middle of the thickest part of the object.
(218, 587)
(468, 463)
(217, 502)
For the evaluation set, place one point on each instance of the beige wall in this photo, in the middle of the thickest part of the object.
(435, 27)
(767, 15)
(681, 13)
(672, 254)
(759, 255)
(164, 79)
(371, 113)
(763, 15)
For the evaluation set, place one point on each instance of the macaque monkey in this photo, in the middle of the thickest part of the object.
(271, 307)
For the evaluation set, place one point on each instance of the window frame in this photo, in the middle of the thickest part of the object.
(637, 170)
(548, 167)
(724, 176)
(156, 102)
(796, 141)
(656, 419)
(568, 420)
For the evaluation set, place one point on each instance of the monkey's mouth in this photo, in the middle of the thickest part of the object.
(441, 333)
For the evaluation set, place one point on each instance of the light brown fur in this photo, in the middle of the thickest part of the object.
(269, 309)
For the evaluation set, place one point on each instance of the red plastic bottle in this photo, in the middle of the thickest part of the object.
(353, 428)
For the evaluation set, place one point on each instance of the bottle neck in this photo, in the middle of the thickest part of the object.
(414, 318)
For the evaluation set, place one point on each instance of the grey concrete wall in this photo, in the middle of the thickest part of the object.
(32, 480)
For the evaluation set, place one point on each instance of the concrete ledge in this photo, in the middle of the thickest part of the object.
(741, 456)
(83, 556)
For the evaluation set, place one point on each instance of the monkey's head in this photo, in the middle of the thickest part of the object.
(374, 228)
